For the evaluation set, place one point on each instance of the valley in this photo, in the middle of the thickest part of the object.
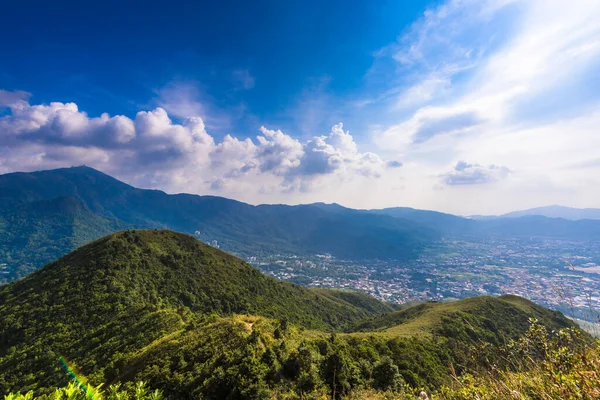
(547, 271)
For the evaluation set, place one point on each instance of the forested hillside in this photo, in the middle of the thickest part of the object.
(40, 231)
(193, 321)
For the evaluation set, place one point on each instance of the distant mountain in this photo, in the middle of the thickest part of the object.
(95, 204)
(238, 227)
(34, 233)
(195, 322)
(540, 226)
(500, 227)
(446, 224)
(569, 213)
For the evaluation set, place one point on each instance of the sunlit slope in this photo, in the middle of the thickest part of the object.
(478, 318)
(126, 290)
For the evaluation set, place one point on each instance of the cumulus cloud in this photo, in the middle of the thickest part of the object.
(474, 174)
(153, 150)
(278, 152)
(337, 152)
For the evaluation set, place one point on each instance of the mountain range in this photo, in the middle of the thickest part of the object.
(46, 214)
(164, 308)
(574, 214)
(101, 203)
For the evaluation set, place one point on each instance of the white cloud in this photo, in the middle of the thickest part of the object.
(337, 152)
(474, 174)
(278, 152)
(514, 83)
(8, 99)
(423, 91)
(553, 42)
(153, 151)
(180, 99)
(511, 83)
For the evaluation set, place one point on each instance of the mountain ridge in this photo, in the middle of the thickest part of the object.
(244, 229)
(556, 211)
(161, 278)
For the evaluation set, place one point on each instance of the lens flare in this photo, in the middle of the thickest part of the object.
(75, 377)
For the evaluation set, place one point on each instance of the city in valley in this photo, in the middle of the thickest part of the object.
(563, 275)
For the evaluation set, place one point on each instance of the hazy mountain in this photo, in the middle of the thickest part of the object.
(196, 322)
(540, 226)
(514, 227)
(573, 214)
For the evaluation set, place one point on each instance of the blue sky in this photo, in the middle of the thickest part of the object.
(462, 106)
(241, 60)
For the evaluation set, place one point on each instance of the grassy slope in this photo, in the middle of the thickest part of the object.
(506, 314)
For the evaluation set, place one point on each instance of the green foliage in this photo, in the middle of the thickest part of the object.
(72, 391)
(162, 308)
(339, 370)
(485, 319)
(386, 375)
(122, 293)
(542, 364)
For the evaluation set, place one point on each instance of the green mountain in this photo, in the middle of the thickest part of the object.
(446, 224)
(494, 319)
(238, 227)
(196, 322)
(37, 232)
(73, 306)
